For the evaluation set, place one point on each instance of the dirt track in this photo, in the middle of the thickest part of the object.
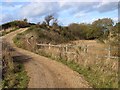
(46, 73)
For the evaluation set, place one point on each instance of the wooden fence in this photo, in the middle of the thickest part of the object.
(86, 56)
(83, 48)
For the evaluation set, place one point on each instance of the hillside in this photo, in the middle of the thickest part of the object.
(15, 24)
(84, 48)
(59, 44)
(81, 47)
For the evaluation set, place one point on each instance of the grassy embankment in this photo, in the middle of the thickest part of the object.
(14, 74)
(99, 75)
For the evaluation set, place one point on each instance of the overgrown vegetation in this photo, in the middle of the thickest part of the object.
(16, 24)
(13, 73)
(103, 30)
(49, 31)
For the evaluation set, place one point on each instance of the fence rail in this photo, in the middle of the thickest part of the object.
(84, 48)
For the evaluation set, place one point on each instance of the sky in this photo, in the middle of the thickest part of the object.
(66, 11)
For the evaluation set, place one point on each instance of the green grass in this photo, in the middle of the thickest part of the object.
(16, 79)
(22, 78)
(17, 39)
(14, 74)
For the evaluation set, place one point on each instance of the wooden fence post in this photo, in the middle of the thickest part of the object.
(49, 45)
(86, 49)
(109, 54)
(66, 48)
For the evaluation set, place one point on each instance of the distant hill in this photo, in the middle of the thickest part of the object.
(16, 23)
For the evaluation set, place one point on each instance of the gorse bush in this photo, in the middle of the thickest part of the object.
(47, 36)
(16, 23)
(99, 29)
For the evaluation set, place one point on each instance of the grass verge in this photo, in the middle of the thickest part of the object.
(13, 72)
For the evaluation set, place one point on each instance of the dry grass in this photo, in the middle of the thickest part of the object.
(99, 71)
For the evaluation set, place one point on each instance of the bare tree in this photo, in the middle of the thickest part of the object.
(25, 20)
(48, 19)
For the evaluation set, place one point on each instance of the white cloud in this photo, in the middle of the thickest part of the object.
(115, 19)
(6, 18)
(11, 7)
(79, 15)
(8, 0)
(73, 1)
(103, 6)
(39, 9)
(60, 0)
(107, 6)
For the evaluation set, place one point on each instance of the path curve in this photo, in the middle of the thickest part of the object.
(46, 73)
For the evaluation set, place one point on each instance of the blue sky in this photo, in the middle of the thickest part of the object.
(66, 11)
